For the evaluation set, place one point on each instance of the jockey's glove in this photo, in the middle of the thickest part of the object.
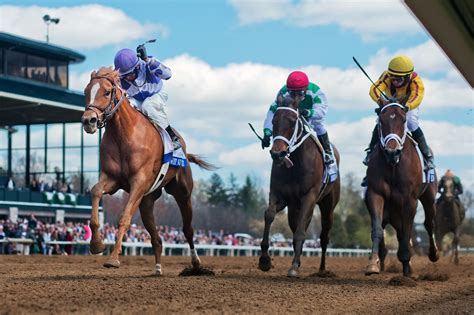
(265, 141)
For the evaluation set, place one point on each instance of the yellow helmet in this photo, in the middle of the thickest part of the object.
(400, 66)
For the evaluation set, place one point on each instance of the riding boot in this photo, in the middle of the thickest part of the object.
(174, 137)
(373, 142)
(419, 137)
(324, 139)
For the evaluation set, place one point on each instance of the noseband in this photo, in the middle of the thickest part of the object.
(111, 108)
(293, 142)
(392, 136)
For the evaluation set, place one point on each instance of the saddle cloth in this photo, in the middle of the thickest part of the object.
(171, 157)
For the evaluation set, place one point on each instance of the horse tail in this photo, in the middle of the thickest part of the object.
(196, 159)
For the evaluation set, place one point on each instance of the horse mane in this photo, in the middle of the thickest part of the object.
(108, 72)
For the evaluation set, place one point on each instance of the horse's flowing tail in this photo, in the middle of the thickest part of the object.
(196, 159)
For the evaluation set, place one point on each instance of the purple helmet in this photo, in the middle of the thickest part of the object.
(125, 61)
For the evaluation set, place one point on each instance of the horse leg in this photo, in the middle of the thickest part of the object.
(403, 229)
(299, 219)
(148, 218)
(326, 207)
(375, 205)
(382, 249)
(428, 202)
(265, 262)
(103, 186)
(136, 194)
(180, 188)
(457, 233)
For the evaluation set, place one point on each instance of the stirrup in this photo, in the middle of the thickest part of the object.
(364, 182)
(176, 144)
(429, 164)
(328, 160)
(367, 158)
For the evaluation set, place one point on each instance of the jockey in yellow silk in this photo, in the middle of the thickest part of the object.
(403, 85)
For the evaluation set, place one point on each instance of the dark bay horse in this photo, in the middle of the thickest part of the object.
(131, 154)
(395, 185)
(297, 183)
(449, 216)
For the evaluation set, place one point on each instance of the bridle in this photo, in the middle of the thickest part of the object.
(297, 138)
(111, 108)
(392, 136)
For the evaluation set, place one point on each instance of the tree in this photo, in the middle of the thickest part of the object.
(216, 192)
(233, 192)
(250, 197)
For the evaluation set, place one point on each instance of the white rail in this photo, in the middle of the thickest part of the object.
(140, 249)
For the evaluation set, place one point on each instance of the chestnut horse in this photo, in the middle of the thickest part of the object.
(395, 185)
(449, 217)
(131, 154)
(297, 183)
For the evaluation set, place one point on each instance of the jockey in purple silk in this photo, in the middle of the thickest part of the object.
(143, 82)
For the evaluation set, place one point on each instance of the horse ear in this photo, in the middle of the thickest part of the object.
(279, 99)
(93, 74)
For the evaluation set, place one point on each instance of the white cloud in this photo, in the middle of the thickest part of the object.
(351, 138)
(427, 57)
(217, 102)
(369, 19)
(80, 27)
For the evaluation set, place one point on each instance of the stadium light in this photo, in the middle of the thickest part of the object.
(48, 20)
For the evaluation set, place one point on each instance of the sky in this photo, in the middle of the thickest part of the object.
(229, 59)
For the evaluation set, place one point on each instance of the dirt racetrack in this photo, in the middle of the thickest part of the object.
(79, 284)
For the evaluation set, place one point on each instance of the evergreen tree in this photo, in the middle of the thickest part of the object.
(233, 192)
(250, 197)
(216, 192)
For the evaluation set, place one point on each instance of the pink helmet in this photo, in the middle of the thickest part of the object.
(297, 80)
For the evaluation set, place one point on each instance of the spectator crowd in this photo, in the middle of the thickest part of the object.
(41, 233)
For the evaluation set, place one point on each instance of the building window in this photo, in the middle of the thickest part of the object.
(58, 72)
(36, 68)
(15, 63)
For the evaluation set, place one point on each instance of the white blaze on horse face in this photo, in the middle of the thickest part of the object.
(95, 88)
(392, 116)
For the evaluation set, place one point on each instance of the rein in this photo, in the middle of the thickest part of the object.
(392, 136)
(111, 108)
(293, 142)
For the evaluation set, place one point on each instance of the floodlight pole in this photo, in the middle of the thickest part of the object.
(48, 20)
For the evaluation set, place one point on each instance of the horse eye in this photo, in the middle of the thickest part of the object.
(107, 93)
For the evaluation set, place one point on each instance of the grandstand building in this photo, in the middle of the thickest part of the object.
(47, 162)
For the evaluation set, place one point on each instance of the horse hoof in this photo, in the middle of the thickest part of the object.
(372, 269)
(158, 271)
(112, 263)
(293, 273)
(264, 263)
(434, 256)
(96, 247)
(196, 262)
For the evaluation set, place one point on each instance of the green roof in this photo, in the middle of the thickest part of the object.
(24, 102)
(39, 48)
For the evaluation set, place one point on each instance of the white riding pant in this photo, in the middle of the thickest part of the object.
(318, 125)
(412, 119)
(154, 108)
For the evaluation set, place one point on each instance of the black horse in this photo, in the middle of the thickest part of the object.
(394, 187)
(449, 216)
(297, 183)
